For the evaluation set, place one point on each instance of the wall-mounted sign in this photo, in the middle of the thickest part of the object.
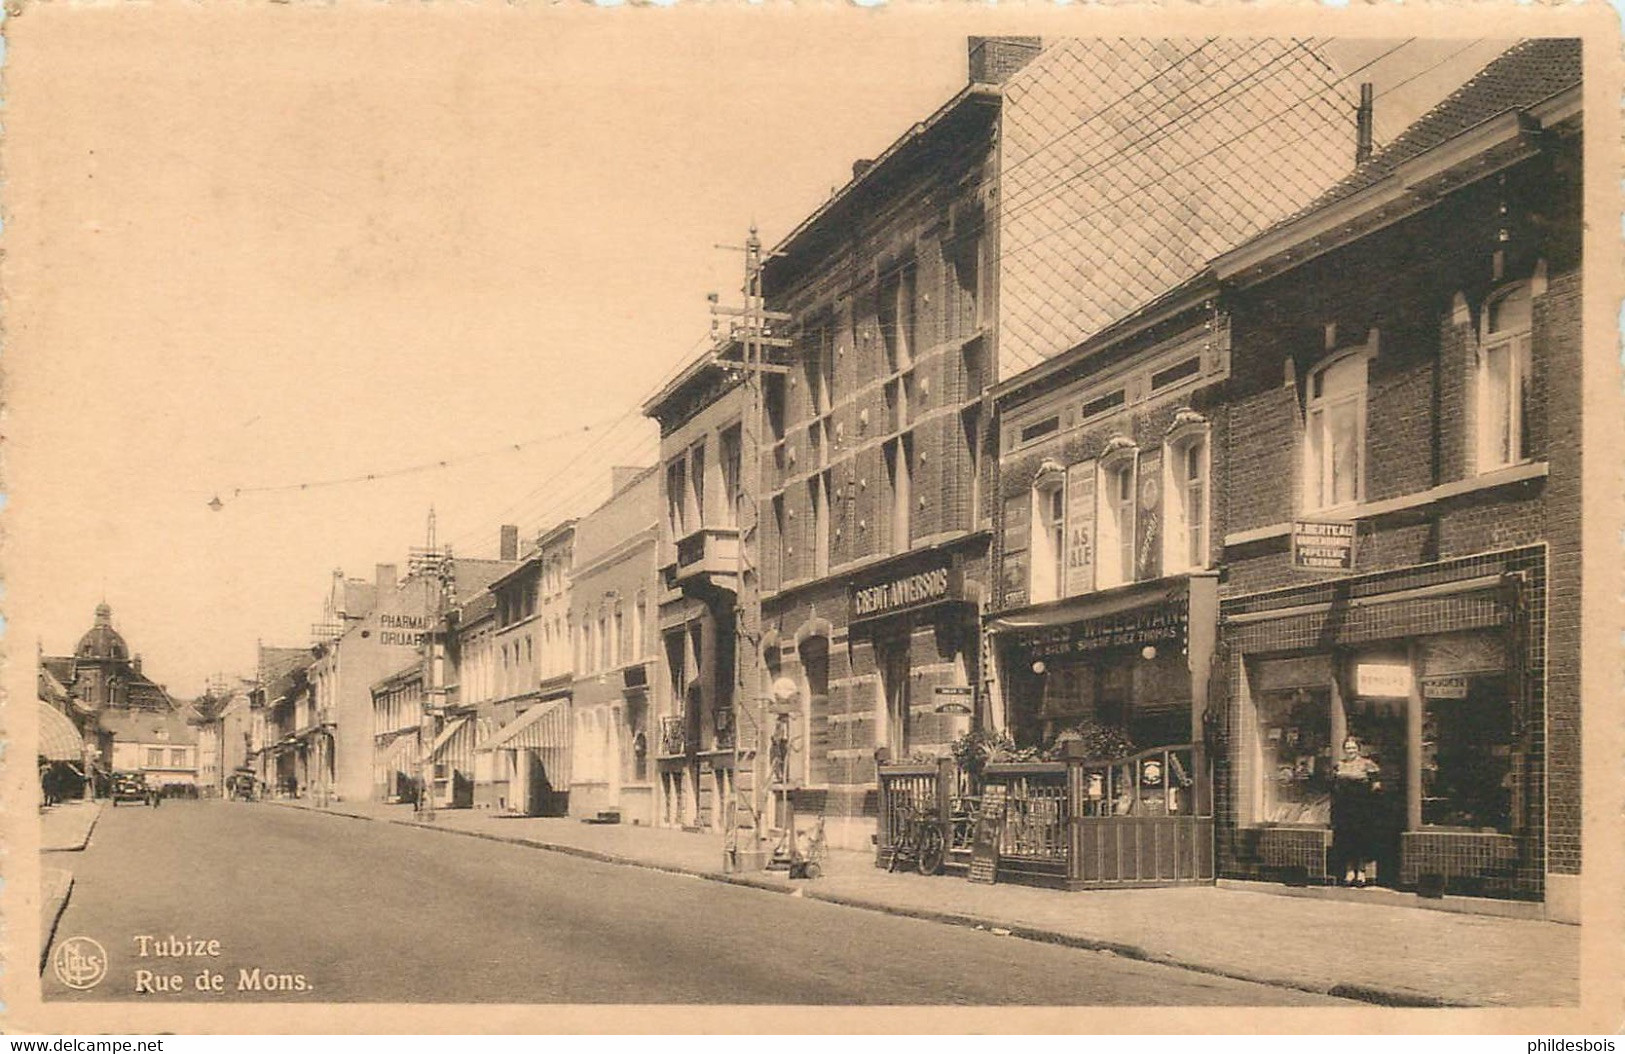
(953, 698)
(1145, 625)
(984, 859)
(906, 590)
(1078, 572)
(402, 630)
(1148, 517)
(1382, 679)
(1016, 540)
(1322, 546)
(1444, 688)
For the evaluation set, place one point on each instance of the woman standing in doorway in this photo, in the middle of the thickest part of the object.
(1354, 805)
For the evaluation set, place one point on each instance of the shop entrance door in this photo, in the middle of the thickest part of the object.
(1379, 725)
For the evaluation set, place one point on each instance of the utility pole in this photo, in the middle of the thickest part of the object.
(436, 564)
(752, 331)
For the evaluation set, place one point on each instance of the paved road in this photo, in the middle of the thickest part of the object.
(366, 911)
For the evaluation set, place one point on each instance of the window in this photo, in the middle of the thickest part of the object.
(899, 477)
(177, 759)
(155, 757)
(676, 496)
(1503, 380)
(621, 648)
(894, 670)
(606, 657)
(818, 500)
(728, 514)
(1294, 755)
(963, 314)
(1187, 506)
(1049, 533)
(1116, 518)
(696, 485)
(897, 317)
(1334, 448)
(635, 640)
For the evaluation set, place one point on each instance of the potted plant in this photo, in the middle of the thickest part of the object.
(1091, 741)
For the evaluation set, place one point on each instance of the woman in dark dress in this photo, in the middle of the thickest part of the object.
(1354, 805)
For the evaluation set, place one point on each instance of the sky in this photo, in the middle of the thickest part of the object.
(254, 249)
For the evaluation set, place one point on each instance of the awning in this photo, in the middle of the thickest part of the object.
(444, 749)
(544, 726)
(402, 753)
(58, 739)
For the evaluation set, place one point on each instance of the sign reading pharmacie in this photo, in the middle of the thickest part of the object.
(1323, 545)
(910, 586)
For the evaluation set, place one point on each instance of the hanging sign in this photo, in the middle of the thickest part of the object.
(984, 849)
(1445, 688)
(953, 698)
(1382, 680)
(1078, 572)
(1322, 546)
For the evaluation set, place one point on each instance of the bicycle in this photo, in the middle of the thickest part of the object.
(921, 844)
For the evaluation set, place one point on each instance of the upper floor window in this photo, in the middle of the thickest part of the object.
(1503, 379)
(676, 496)
(897, 317)
(696, 485)
(1115, 546)
(727, 512)
(1049, 532)
(1186, 490)
(1334, 440)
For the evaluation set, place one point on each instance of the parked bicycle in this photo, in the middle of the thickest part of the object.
(921, 844)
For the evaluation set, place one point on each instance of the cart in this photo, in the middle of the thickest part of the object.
(800, 854)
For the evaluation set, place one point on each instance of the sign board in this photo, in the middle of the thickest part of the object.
(953, 698)
(1445, 687)
(1322, 546)
(1148, 517)
(1078, 571)
(984, 848)
(1151, 624)
(1016, 541)
(905, 590)
(1382, 680)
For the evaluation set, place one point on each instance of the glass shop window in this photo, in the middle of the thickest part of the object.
(1467, 752)
(1294, 755)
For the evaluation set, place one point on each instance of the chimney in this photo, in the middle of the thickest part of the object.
(135, 662)
(385, 578)
(1362, 131)
(994, 59)
(509, 547)
(861, 166)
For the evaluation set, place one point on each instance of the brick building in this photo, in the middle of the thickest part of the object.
(701, 417)
(1400, 505)
(614, 588)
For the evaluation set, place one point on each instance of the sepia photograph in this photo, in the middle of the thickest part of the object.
(818, 509)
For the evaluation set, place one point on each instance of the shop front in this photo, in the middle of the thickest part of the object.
(1384, 730)
(524, 767)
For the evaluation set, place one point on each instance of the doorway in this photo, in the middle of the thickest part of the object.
(1379, 724)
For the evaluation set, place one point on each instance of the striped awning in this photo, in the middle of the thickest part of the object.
(454, 744)
(545, 726)
(402, 752)
(58, 739)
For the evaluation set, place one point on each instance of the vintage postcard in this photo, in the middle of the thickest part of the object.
(811, 518)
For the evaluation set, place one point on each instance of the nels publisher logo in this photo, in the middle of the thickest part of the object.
(80, 962)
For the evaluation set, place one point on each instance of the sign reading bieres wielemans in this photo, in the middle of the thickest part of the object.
(904, 591)
(1322, 546)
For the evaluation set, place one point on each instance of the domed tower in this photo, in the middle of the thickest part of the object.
(101, 657)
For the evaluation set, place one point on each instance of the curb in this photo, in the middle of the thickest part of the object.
(1364, 993)
(89, 827)
(49, 920)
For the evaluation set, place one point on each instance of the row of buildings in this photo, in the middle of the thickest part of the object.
(1136, 387)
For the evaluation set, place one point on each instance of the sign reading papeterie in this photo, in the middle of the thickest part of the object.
(1319, 545)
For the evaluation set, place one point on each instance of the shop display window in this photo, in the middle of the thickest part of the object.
(1294, 738)
(1467, 752)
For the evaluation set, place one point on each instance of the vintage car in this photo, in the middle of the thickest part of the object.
(132, 787)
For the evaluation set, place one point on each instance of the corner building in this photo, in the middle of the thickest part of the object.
(1400, 519)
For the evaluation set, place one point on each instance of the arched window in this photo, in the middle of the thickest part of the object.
(1503, 379)
(1115, 548)
(1048, 531)
(1334, 433)
(1186, 491)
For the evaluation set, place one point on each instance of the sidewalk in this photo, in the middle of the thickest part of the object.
(1393, 955)
(66, 827)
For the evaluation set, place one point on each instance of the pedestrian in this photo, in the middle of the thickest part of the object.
(1355, 787)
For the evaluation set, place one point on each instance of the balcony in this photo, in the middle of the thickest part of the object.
(707, 561)
(673, 736)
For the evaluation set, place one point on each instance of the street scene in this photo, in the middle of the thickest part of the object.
(1118, 544)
